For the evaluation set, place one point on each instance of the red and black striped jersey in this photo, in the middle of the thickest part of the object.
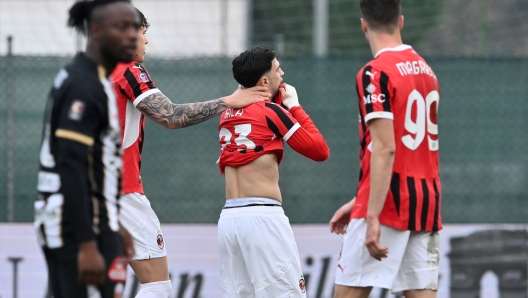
(260, 128)
(399, 85)
(132, 83)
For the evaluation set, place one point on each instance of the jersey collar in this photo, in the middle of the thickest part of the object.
(399, 48)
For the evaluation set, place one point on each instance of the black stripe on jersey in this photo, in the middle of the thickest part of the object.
(131, 79)
(360, 174)
(282, 115)
(425, 207)
(384, 83)
(366, 83)
(123, 92)
(437, 206)
(363, 141)
(273, 127)
(412, 203)
(140, 145)
(395, 190)
(43, 233)
(143, 70)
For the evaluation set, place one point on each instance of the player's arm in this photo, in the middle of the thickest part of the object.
(381, 161)
(76, 133)
(306, 139)
(136, 84)
(161, 110)
(375, 102)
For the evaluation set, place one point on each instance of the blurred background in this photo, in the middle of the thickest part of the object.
(478, 49)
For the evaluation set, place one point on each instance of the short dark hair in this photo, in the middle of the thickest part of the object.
(80, 14)
(381, 15)
(250, 65)
(143, 20)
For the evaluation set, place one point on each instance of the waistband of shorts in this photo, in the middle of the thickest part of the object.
(258, 211)
(251, 202)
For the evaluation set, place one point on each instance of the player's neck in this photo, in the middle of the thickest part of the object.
(95, 54)
(379, 41)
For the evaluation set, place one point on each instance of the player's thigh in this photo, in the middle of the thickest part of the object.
(419, 269)
(138, 217)
(271, 254)
(420, 294)
(151, 270)
(351, 292)
(234, 277)
(357, 268)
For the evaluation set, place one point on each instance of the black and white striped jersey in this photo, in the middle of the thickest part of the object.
(80, 157)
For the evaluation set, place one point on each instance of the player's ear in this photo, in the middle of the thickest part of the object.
(364, 25)
(264, 81)
(95, 31)
(400, 22)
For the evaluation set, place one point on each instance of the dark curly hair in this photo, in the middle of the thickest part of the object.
(80, 14)
(250, 65)
(143, 20)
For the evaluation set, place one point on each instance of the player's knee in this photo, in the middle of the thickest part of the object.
(159, 289)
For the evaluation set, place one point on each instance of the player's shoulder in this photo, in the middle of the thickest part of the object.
(79, 76)
(121, 68)
(271, 106)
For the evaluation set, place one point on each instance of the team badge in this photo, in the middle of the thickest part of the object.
(76, 111)
(302, 284)
(370, 88)
(143, 77)
(161, 244)
(117, 271)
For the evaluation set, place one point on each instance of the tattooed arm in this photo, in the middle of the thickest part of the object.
(161, 110)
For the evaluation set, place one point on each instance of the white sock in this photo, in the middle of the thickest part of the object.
(159, 289)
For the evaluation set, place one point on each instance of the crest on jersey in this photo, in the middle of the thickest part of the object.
(160, 241)
(143, 77)
(370, 88)
(117, 271)
(76, 111)
(302, 284)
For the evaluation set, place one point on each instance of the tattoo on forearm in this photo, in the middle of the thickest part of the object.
(160, 109)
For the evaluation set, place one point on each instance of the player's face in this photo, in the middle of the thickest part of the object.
(120, 32)
(274, 77)
(142, 42)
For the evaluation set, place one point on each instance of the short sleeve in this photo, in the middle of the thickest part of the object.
(81, 113)
(135, 82)
(374, 93)
(280, 121)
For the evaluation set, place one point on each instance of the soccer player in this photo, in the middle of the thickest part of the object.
(258, 253)
(138, 98)
(391, 239)
(76, 212)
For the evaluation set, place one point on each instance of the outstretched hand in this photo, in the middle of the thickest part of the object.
(341, 218)
(244, 97)
(376, 250)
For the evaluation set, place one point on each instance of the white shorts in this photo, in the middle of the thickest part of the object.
(412, 262)
(258, 254)
(136, 215)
